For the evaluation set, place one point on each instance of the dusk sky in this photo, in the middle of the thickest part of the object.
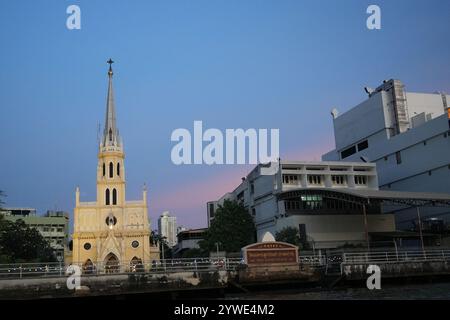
(231, 64)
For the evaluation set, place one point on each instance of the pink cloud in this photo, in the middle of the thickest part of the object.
(188, 200)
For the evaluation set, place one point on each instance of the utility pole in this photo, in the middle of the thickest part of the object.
(366, 227)
(420, 230)
(217, 248)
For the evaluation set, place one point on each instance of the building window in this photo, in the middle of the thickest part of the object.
(398, 157)
(211, 210)
(302, 233)
(360, 180)
(110, 134)
(118, 168)
(290, 205)
(363, 145)
(104, 169)
(252, 188)
(111, 220)
(253, 212)
(348, 152)
(338, 180)
(135, 244)
(425, 143)
(111, 169)
(314, 179)
(107, 197)
(385, 158)
(290, 179)
(114, 202)
(87, 246)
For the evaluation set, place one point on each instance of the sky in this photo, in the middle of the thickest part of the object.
(231, 64)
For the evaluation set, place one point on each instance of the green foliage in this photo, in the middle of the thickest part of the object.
(158, 240)
(2, 195)
(19, 243)
(232, 227)
(288, 235)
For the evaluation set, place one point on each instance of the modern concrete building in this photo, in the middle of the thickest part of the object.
(406, 134)
(188, 239)
(167, 227)
(320, 199)
(53, 226)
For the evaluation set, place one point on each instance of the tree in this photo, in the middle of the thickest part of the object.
(20, 243)
(288, 235)
(2, 195)
(158, 240)
(194, 253)
(232, 229)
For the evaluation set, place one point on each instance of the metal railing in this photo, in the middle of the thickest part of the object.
(55, 269)
(329, 262)
(396, 256)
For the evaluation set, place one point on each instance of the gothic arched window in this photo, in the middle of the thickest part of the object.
(107, 197)
(114, 202)
(111, 169)
(110, 134)
(104, 169)
(118, 168)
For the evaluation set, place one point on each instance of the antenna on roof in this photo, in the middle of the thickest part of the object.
(334, 113)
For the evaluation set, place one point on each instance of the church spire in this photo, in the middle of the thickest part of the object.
(110, 133)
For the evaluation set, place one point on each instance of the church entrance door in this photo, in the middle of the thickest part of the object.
(111, 263)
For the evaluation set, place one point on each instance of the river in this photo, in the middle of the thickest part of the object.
(388, 292)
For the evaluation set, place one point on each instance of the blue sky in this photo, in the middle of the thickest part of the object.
(231, 64)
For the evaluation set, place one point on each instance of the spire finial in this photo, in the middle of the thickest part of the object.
(110, 61)
(110, 133)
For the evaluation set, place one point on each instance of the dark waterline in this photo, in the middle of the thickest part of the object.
(387, 292)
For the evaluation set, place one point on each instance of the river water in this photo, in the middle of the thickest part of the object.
(388, 292)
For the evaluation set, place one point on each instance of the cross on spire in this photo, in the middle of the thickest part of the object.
(110, 66)
(110, 133)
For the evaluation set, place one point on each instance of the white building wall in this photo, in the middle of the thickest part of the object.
(370, 117)
(167, 227)
(327, 231)
(423, 149)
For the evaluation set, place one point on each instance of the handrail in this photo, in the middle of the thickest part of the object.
(393, 256)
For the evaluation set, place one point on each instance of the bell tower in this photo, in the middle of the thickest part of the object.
(111, 233)
(110, 169)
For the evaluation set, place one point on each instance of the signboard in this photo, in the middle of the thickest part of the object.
(270, 253)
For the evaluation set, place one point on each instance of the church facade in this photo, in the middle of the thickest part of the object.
(111, 231)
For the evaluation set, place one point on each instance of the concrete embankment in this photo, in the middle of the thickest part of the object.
(116, 284)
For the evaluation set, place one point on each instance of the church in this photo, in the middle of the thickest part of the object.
(112, 232)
